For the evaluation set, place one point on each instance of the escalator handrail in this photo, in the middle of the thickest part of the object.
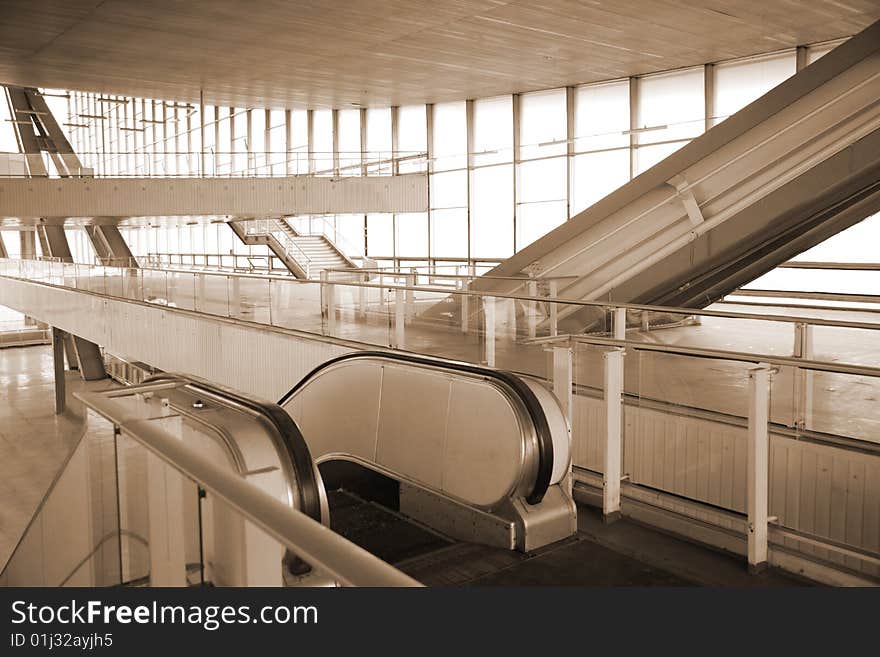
(507, 379)
(296, 448)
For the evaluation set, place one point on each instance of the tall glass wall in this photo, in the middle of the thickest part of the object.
(503, 171)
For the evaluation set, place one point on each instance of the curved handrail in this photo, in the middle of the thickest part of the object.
(306, 484)
(507, 379)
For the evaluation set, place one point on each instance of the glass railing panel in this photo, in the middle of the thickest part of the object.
(73, 538)
(854, 346)
(841, 404)
(168, 542)
(181, 290)
(296, 304)
(249, 299)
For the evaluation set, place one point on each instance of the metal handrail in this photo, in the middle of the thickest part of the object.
(605, 305)
(717, 354)
(346, 562)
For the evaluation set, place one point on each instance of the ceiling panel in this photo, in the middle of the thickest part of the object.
(317, 53)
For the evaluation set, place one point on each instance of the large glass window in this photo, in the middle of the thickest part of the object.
(739, 82)
(493, 130)
(670, 112)
(380, 235)
(412, 235)
(449, 235)
(322, 136)
(350, 142)
(378, 154)
(492, 212)
(450, 136)
(412, 135)
(543, 124)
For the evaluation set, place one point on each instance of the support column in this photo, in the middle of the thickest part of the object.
(58, 364)
(55, 242)
(89, 359)
(28, 242)
(489, 333)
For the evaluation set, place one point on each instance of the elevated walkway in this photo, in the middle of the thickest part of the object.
(233, 196)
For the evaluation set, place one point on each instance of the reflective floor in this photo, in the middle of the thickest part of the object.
(34, 442)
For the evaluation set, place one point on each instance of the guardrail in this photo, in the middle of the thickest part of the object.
(821, 393)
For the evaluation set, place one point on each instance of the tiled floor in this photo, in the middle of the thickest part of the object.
(34, 442)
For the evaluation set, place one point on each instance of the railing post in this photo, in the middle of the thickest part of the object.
(532, 309)
(613, 388)
(489, 333)
(465, 305)
(619, 324)
(235, 296)
(563, 380)
(803, 379)
(554, 309)
(410, 294)
(399, 318)
(328, 291)
(362, 297)
(758, 458)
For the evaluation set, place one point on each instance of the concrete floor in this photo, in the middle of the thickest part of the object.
(34, 442)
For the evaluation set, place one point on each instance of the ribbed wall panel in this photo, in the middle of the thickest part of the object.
(121, 197)
(818, 489)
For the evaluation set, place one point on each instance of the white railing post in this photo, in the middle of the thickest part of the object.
(489, 333)
(532, 309)
(613, 389)
(399, 318)
(563, 380)
(619, 324)
(803, 379)
(758, 458)
(167, 528)
(411, 294)
(465, 305)
(328, 295)
(554, 309)
(362, 297)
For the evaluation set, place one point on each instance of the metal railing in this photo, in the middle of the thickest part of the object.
(821, 395)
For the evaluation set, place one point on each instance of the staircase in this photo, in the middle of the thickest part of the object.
(305, 256)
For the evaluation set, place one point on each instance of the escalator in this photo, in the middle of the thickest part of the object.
(786, 172)
(428, 461)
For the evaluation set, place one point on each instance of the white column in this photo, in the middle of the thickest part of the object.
(554, 309)
(758, 458)
(619, 324)
(411, 295)
(613, 388)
